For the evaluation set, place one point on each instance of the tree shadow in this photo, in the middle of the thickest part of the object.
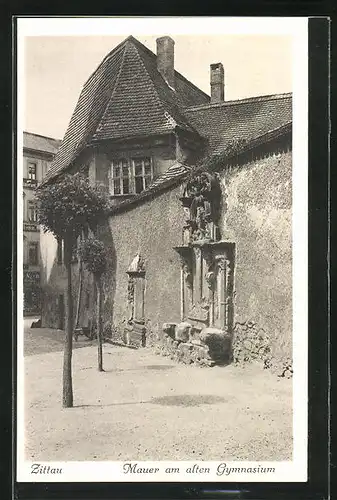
(145, 367)
(186, 400)
(125, 403)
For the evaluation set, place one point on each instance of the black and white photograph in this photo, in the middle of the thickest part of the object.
(162, 236)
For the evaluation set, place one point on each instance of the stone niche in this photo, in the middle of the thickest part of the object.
(204, 335)
(135, 330)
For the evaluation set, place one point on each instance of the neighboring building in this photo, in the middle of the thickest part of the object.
(212, 250)
(38, 153)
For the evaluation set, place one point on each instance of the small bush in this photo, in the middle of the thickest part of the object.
(281, 367)
(93, 254)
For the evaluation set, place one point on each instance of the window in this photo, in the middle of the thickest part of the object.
(32, 211)
(143, 173)
(121, 177)
(33, 257)
(131, 176)
(32, 170)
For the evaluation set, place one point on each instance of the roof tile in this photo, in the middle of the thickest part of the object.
(125, 97)
(242, 119)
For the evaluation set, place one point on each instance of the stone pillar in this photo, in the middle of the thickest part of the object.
(221, 292)
(211, 302)
(227, 295)
(198, 275)
(139, 312)
(182, 294)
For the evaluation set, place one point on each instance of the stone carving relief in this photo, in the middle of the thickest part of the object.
(188, 275)
(201, 206)
(131, 289)
(135, 290)
(211, 279)
(200, 311)
(205, 267)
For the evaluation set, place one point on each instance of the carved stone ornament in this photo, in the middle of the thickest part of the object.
(201, 205)
(210, 278)
(188, 274)
(197, 252)
(199, 312)
(131, 290)
(221, 264)
(137, 265)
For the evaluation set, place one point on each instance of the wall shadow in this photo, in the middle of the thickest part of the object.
(109, 278)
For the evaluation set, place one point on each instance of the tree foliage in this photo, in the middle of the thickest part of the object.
(67, 207)
(93, 254)
(70, 204)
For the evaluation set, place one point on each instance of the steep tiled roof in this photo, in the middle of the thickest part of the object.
(242, 119)
(126, 97)
(40, 143)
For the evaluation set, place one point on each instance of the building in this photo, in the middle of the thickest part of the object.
(38, 153)
(211, 250)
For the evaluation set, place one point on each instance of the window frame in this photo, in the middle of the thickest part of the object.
(143, 175)
(29, 174)
(130, 164)
(32, 215)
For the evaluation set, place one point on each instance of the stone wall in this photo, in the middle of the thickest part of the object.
(257, 215)
(152, 229)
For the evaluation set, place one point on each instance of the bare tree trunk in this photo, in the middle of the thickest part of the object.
(80, 287)
(99, 324)
(68, 345)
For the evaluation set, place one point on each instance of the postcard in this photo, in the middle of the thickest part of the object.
(162, 249)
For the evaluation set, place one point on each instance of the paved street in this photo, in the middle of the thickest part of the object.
(145, 406)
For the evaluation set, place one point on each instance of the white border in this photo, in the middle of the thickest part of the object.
(297, 28)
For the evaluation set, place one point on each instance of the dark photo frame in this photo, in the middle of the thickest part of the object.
(317, 485)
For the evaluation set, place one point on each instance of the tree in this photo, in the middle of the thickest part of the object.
(80, 286)
(92, 253)
(66, 207)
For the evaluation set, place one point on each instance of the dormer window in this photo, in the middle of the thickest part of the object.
(121, 177)
(130, 176)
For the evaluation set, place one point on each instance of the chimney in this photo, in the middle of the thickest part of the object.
(165, 59)
(217, 83)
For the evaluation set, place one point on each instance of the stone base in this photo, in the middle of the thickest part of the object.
(212, 347)
(135, 334)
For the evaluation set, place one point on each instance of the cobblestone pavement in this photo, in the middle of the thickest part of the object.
(147, 407)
